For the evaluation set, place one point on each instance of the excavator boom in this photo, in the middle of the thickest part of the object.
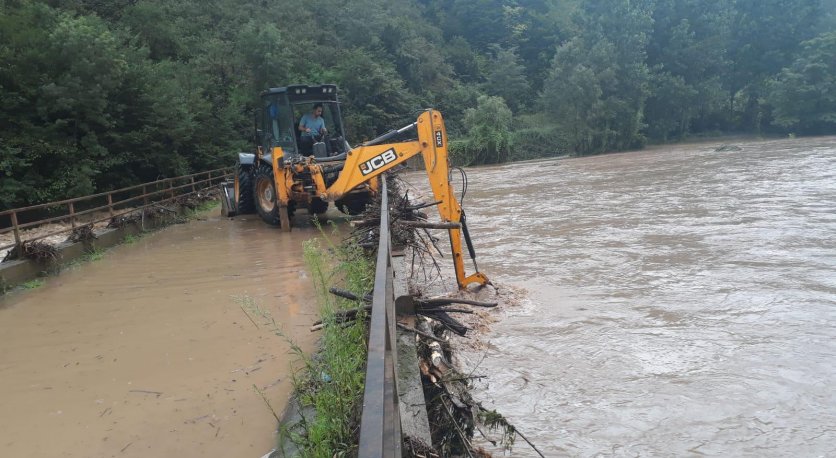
(366, 162)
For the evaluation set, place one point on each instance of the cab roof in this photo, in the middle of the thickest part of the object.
(303, 90)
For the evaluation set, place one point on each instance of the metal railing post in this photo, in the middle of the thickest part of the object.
(110, 204)
(144, 195)
(193, 189)
(16, 229)
(72, 215)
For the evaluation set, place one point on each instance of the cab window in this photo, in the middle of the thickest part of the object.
(277, 123)
(328, 114)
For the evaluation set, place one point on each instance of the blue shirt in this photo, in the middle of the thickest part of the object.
(314, 124)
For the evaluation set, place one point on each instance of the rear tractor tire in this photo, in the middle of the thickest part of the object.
(246, 202)
(266, 199)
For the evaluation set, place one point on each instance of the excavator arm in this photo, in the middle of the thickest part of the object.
(366, 162)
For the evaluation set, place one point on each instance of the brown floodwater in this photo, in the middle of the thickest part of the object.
(157, 349)
(681, 301)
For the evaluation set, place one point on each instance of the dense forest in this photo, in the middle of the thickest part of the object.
(100, 94)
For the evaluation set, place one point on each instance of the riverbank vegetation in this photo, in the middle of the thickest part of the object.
(98, 95)
(329, 389)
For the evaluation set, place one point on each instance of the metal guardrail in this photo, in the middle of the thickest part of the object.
(151, 193)
(380, 424)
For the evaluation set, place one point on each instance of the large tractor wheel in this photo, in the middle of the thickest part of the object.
(264, 192)
(246, 202)
(354, 204)
(317, 206)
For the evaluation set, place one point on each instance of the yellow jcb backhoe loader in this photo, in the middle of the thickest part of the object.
(285, 172)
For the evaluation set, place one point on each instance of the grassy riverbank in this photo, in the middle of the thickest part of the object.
(330, 385)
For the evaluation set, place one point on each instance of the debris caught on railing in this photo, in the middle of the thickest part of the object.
(124, 220)
(82, 234)
(408, 229)
(37, 250)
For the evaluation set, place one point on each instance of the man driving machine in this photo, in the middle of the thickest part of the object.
(312, 125)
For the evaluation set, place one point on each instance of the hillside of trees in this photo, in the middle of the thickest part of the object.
(100, 94)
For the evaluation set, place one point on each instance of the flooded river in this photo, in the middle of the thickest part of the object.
(158, 348)
(681, 301)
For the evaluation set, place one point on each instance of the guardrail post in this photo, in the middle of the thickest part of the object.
(209, 183)
(17, 231)
(72, 215)
(171, 188)
(144, 195)
(193, 189)
(110, 204)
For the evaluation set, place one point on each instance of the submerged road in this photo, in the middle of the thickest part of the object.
(160, 348)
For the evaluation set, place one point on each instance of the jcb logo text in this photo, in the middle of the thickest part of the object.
(378, 161)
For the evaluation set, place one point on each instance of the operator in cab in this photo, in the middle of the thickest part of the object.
(311, 125)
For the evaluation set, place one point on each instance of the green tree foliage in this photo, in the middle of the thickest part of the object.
(804, 94)
(686, 55)
(62, 80)
(598, 83)
(97, 95)
(763, 37)
(488, 130)
(505, 77)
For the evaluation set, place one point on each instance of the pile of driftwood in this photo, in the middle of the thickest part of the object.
(82, 234)
(163, 210)
(38, 250)
(194, 199)
(451, 409)
(141, 216)
(123, 220)
(408, 228)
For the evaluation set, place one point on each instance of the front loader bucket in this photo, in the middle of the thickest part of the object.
(229, 205)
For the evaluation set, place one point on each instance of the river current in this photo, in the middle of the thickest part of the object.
(681, 301)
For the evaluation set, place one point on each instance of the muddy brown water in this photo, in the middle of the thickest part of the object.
(681, 301)
(149, 351)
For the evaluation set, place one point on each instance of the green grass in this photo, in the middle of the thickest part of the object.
(96, 254)
(131, 238)
(331, 383)
(32, 284)
(203, 207)
(207, 205)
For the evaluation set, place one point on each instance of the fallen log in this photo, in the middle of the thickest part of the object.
(420, 206)
(437, 358)
(342, 316)
(449, 322)
(452, 300)
(421, 333)
(349, 295)
(438, 309)
(425, 225)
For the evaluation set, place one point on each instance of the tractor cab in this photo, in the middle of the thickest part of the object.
(281, 110)
(307, 162)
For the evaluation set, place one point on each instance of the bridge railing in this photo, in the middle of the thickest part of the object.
(89, 210)
(380, 424)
